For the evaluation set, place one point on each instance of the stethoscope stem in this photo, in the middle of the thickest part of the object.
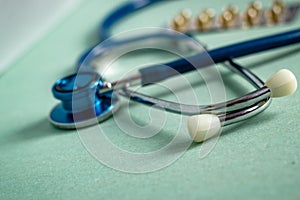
(133, 80)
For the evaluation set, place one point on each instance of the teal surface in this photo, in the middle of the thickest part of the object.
(255, 159)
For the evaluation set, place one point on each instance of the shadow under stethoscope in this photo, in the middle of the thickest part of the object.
(36, 130)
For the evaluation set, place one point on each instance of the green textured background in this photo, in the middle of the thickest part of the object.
(256, 159)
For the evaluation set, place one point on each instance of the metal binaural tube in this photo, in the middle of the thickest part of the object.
(245, 113)
(133, 80)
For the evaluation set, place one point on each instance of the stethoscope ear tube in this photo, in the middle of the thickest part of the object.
(210, 119)
(204, 126)
(156, 73)
(259, 95)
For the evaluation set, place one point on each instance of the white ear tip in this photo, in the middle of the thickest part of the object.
(282, 83)
(204, 126)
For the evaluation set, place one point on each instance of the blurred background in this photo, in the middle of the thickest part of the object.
(23, 24)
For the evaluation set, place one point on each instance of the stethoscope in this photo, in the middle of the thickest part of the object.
(87, 99)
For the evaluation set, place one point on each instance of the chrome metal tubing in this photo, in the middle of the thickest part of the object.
(245, 113)
(120, 84)
(186, 109)
(220, 109)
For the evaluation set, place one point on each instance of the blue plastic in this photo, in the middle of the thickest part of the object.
(158, 73)
(120, 13)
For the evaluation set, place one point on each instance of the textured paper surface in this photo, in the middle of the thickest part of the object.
(255, 159)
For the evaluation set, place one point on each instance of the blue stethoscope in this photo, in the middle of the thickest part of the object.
(87, 99)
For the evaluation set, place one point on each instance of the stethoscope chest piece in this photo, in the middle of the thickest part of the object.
(81, 103)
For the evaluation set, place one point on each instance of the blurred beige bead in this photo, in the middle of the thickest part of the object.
(276, 12)
(229, 17)
(186, 14)
(181, 21)
(205, 20)
(254, 13)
